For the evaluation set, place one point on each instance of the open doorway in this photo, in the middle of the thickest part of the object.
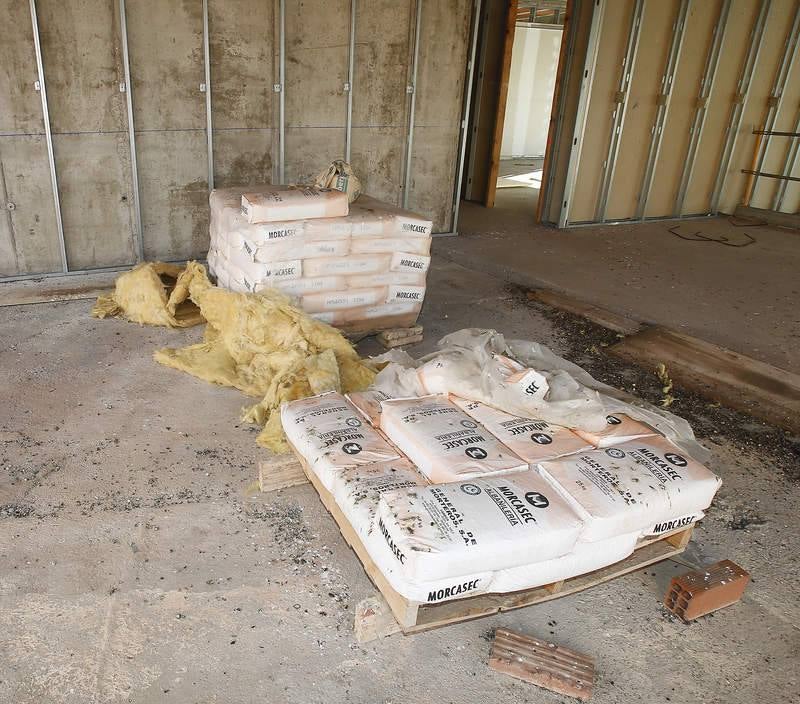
(516, 74)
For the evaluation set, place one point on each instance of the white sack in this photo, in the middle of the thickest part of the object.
(340, 266)
(368, 404)
(405, 294)
(393, 278)
(379, 245)
(443, 441)
(282, 203)
(444, 531)
(532, 440)
(337, 300)
(631, 487)
(409, 262)
(619, 428)
(298, 287)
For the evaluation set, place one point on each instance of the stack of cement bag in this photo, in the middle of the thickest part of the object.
(452, 497)
(358, 266)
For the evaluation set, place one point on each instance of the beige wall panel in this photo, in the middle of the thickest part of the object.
(785, 121)
(380, 102)
(700, 21)
(651, 59)
(445, 40)
(563, 149)
(241, 45)
(317, 41)
(28, 233)
(20, 104)
(165, 46)
(778, 25)
(174, 194)
(83, 65)
(791, 199)
(242, 157)
(709, 151)
(377, 157)
(96, 194)
(613, 38)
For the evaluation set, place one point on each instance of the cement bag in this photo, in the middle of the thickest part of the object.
(405, 294)
(340, 175)
(368, 404)
(393, 220)
(283, 203)
(409, 262)
(394, 278)
(330, 435)
(337, 300)
(532, 440)
(319, 284)
(343, 266)
(619, 428)
(632, 487)
(443, 441)
(358, 490)
(444, 531)
(382, 245)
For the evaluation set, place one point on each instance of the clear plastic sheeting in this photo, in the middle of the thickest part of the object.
(526, 379)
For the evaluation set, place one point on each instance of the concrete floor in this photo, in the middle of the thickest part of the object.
(137, 564)
(742, 298)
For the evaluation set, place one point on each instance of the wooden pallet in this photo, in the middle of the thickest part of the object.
(412, 616)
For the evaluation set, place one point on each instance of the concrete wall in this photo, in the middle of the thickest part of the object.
(83, 63)
(534, 61)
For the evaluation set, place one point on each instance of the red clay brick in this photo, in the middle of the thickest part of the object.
(545, 664)
(700, 592)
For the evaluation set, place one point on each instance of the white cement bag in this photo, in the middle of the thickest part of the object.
(299, 287)
(342, 266)
(390, 245)
(393, 278)
(263, 272)
(444, 531)
(329, 433)
(619, 428)
(405, 294)
(338, 300)
(369, 404)
(298, 248)
(409, 262)
(532, 440)
(358, 490)
(282, 203)
(443, 441)
(631, 487)
(394, 220)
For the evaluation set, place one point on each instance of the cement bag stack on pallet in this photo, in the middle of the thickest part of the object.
(453, 498)
(358, 267)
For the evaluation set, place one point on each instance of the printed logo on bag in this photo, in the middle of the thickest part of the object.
(471, 489)
(412, 264)
(613, 420)
(456, 589)
(537, 500)
(532, 388)
(541, 438)
(469, 424)
(615, 452)
(351, 448)
(410, 227)
(401, 558)
(476, 453)
(675, 459)
(672, 525)
(353, 422)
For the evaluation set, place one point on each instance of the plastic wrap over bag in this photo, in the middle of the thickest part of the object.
(527, 379)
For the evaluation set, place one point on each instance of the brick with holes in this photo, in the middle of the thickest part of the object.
(700, 592)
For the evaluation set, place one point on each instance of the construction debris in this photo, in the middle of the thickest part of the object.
(542, 663)
(700, 592)
(397, 337)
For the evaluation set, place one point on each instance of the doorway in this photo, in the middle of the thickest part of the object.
(517, 66)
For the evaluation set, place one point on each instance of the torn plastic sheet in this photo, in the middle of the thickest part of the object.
(476, 364)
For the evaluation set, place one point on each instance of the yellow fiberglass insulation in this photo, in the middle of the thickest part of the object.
(264, 346)
(150, 294)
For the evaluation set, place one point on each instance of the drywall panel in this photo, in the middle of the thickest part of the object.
(534, 60)
(773, 45)
(28, 234)
(317, 43)
(174, 193)
(651, 60)
(380, 102)
(165, 44)
(437, 120)
(243, 104)
(571, 82)
(82, 62)
(96, 193)
(709, 150)
(242, 157)
(611, 52)
(20, 104)
(700, 20)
